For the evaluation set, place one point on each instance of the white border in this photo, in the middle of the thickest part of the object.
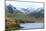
(2, 17)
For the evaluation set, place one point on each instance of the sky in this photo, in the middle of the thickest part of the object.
(25, 5)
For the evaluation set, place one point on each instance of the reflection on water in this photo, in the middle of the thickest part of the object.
(31, 25)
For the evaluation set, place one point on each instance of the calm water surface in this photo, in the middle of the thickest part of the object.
(31, 25)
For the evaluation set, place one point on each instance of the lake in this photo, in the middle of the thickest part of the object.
(32, 25)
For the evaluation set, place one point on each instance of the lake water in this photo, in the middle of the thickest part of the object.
(32, 25)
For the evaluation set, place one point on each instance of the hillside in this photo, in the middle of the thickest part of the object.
(25, 14)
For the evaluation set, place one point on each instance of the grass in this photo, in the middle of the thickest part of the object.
(12, 25)
(12, 21)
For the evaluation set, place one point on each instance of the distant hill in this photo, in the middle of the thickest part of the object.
(24, 14)
(11, 11)
(37, 13)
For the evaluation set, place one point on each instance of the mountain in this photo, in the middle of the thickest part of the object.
(26, 10)
(29, 11)
(11, 11)
(38, 13)
(25, 14)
